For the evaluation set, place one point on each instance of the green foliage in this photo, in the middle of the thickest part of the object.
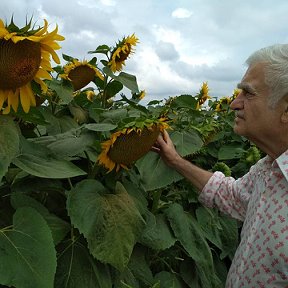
(66, 222)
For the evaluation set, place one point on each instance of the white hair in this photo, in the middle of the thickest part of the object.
(276, 70)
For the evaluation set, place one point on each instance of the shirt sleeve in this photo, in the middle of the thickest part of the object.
(227, 194)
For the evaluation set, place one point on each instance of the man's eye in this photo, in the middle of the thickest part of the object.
(248, 93)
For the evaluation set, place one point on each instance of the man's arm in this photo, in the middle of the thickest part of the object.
(165, 147)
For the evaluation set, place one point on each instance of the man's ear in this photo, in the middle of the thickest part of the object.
(284, 116)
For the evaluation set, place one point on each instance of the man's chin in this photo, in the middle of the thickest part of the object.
(238, 130)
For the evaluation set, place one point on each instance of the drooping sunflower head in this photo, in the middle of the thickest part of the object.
(203, 95)
(80, 73)
(25, 58)
(129, 144)
(121, 52)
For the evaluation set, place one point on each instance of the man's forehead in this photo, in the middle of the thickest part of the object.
(254, 76)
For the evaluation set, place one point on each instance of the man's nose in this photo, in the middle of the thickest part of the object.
(237, 103)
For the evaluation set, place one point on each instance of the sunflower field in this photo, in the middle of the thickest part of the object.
(84, 202)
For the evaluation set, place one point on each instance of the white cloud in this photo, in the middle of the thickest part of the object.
(178, 48)
(181, 13)
(108, 2)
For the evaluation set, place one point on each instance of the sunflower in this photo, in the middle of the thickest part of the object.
(223, 104)
(121, 52)
(139, 96)
(128, 145)
(235, 94)
(203, 95)
(24, 59)
(80, 73)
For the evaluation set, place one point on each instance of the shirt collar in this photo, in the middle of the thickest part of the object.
(282, 162)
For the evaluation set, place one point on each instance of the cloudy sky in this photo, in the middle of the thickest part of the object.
(182, 43)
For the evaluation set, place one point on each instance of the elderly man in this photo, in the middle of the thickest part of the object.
(259, 198)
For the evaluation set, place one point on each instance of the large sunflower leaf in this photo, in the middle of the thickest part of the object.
(9, 143)
(70, 143)
(155, 173)
(39, 161)
(220, 230)
(111, 223)
(186, 142)
(28, 257)
(56, 125)
(139, 266)
(189, 234)
(157, 233)
(128, 80)
(77, 268)
(64, 90)
(59, 228)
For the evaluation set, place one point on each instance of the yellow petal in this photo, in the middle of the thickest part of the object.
(52, 52)
(10, 96)
(26, 94)
(44, 87)
(43, 29)
(2, 24)
(3, 97)
(43, 74)
(14, 99)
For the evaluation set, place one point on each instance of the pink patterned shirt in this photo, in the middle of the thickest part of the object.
(260, 199)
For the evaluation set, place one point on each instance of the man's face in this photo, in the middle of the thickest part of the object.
(254, 118)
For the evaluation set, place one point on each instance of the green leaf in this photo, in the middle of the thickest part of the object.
(231, 151)
(189, 274)
(155, 173)
(186, 142)
(9, 143)
(77, 268)
(100, 126)
(28, 257)
(70, 143)
(168, 279)
(113, 88)
(129, 81)
(125, 280)
(185, 101)
(140, 267)
(37, 160)
(104, 49)
(64, 90)
(58, 125)
(188, 232)
(59, 228)
(126, 79)
(220, 230)
(111, 223)
(67, 57)
(157, 234)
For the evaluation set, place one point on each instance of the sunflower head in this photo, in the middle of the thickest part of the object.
(139, 96)
(129, 144)
(80, 73)
(25, 58)
(203, 95)
(121, 52)
(235, 94)
(223, 104)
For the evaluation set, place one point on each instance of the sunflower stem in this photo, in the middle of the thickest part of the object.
(156, 198)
